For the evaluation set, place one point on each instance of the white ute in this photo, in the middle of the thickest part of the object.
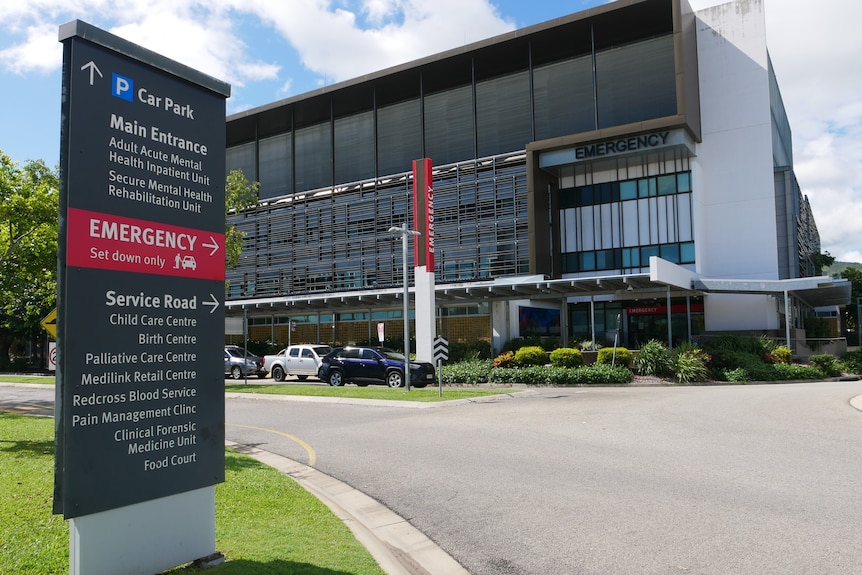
(299, 360)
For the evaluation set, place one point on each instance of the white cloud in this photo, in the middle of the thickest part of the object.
(39, 51)
(331, 44)
(815, 49)
(198, 33)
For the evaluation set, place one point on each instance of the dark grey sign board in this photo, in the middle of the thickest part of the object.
(140, 397)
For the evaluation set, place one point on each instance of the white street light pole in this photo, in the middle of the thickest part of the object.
(404, 232)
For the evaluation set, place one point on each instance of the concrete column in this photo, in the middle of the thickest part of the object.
(425, 306)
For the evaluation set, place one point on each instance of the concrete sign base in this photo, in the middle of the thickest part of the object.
(124, 541)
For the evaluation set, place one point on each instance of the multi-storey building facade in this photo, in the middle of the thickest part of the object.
(628, 167)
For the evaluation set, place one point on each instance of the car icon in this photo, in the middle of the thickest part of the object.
(189, 263)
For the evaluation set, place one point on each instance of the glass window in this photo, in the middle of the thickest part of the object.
(567, 198)
(670, 252)
(588, 261)
(666, 185)
(631, 257)
(606, 260)
(683, 182)
(686, 253)
(630, 223)
(646, 253)
(646, 187)
(628, 190)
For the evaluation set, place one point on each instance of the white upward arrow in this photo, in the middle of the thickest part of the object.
(213, 245)
(93, 71)
(213, 303)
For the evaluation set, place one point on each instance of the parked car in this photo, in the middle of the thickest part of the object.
(238, 363)
(367, 365)
(301, 360)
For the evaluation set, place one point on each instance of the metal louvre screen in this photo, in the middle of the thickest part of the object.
(354, 148)
(563, 94)
(503, 114)
(399, 136)
(636, 82)
(449, 125)
(313, 157)
(276, 171)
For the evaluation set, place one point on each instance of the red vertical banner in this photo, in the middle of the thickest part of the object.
(423, 213)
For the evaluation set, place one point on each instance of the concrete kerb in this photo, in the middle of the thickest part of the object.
(377, 402)
(397, 546)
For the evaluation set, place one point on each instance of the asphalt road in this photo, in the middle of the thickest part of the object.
(756, 479)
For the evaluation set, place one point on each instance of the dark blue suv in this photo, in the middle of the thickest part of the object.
(372, 365)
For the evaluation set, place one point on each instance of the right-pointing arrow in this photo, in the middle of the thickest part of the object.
(212, 245)
(213, 303)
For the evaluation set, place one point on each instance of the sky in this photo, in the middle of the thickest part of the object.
(272, 49)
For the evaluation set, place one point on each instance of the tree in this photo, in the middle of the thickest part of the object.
(851, 312)
(821, 261)
(29, 197)
(240, 194)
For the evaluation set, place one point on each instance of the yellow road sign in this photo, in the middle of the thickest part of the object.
(50, 323)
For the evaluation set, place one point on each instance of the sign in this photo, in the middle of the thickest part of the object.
(380, 336)
(423, 214)
(662, 309)
(49, 323)
(141, 276)
(615, 147)
(441, 348)
(52, 356)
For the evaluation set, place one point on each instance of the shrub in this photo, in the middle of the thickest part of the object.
(783, 354)
(530, 355)
(738, 375)
(505, 359)
(548, 343)
(654, 358)
(560, 376)
(466, 372)
(737, 343)
(826, 363)
(852, 361)
(690, 365)
(785, 372)
(505, 376)
(621, 356)
(602, 373)
(567, 357)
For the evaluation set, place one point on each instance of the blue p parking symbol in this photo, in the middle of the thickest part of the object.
(122, 87)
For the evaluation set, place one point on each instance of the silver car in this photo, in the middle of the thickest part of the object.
(238, 365)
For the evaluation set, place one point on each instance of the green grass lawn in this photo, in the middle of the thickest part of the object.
(265, 522)
(27, 379)
(427, 394)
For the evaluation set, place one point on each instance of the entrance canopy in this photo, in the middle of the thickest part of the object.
(663, 277)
